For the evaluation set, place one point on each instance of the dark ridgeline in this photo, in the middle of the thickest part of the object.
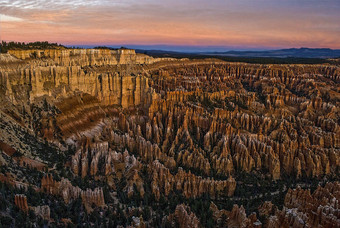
(5, 46)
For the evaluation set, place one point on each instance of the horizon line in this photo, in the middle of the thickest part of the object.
(158, 47)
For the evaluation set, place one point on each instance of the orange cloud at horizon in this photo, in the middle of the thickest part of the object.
(154, 24)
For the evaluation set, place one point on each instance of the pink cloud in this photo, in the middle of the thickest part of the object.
(131, 22)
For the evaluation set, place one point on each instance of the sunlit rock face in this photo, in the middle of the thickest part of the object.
(170, 141)
(84, 57)
(62, 73)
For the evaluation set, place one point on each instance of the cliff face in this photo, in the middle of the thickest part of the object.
(84, 57)
(110, 88)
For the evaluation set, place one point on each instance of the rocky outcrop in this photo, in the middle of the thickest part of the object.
(235, 218)
(8, 58)
(110, 87)
(266, 209)
(97, 160)
(21, 202)
(86, 160)
(63, 188)
(68, 192)
(183, 218)
(138, 222)
(146, 149)
(85, 57)
(92, 197)
(191, 186)
(43, 211)
(303, 209)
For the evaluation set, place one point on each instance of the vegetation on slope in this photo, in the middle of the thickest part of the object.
(5, 46)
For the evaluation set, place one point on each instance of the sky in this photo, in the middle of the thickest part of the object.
(200, 24)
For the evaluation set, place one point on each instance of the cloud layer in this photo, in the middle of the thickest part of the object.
(235, 23)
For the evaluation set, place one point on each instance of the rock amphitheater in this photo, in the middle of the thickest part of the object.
(163, 142)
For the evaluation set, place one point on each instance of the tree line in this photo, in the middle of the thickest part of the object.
(5, 46)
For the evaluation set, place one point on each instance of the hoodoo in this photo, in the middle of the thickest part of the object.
(91, 135)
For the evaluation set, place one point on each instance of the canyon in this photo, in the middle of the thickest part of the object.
(149, 142)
